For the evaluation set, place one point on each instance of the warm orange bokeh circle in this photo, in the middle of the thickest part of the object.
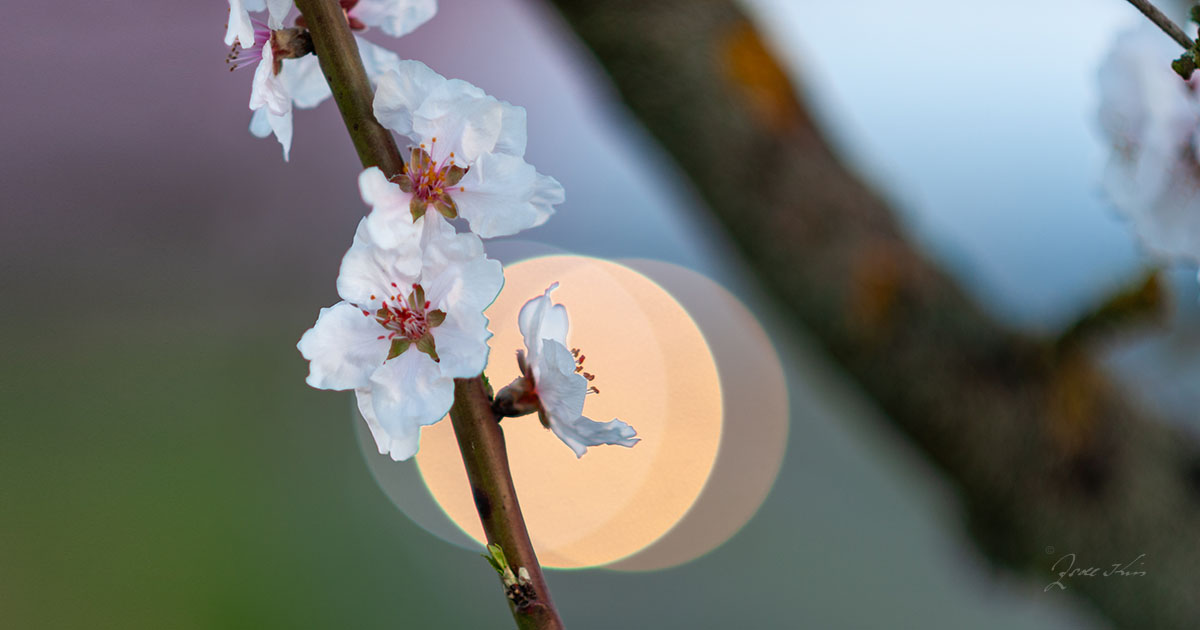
(654, 371)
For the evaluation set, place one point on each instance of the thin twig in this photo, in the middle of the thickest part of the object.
(1163, 22)
(479, 436)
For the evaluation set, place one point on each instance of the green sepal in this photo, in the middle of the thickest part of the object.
(405, 183)
(425, 344)
(399, 345)
(417, 208)
(455, 174)
(1185, 65)
(435, 318)
(446, 206)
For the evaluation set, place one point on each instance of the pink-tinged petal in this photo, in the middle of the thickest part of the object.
(583, 432)
(401, 92)
(497, 196)
(268, 90)
(462, 344)
(343, 348)
(377, 60)
(240, 29)
(408, 392)
(370, 274)
(396, 17)
(397, 444)
(541, 319)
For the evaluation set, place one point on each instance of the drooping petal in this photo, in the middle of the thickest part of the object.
(370, 274)
(343, 348)
(462, 344)
(396, 17)
(398, 445)
(584, 432)
(268, 90)
(499, 193)
(541, 319)
(389, 223)
(240, 28)
(408, 392)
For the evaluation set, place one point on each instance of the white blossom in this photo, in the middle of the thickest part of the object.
(285, 77)
(468, 158)
(558, 381)
(410, 321)
(1152, 118)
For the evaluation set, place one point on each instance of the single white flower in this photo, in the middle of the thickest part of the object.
(468, 158)
(1152, 118)
(410, 321)
(553, 382)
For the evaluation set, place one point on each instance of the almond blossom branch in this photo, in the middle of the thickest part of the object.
(476, 427)
(1162, 21)
(343, 68)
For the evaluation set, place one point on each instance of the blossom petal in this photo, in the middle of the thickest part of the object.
(277, 10)
(498, 196)
(408, 392)
(370, 273)
(306, 84)
(559, 387)
(462, 344)
(377, 60)
(584, 432)
(401, 92)
(456, 275)
(541, 319)
(547, 193)
(343, 348)
(390, 223)
(240, 29)
(268, 90)
(396, 17)
(263, 123)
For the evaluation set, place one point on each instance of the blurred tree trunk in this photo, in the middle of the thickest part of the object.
(1043, 449)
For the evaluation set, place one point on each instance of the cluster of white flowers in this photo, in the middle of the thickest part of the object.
(1152, 118)
(413, 288)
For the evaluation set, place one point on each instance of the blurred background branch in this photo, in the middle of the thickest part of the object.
(1046, 452)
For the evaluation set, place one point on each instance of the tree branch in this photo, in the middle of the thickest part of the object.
(1045, 452)
(477, 429)
(1162, 21)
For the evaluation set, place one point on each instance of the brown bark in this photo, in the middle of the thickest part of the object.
(1044, 451)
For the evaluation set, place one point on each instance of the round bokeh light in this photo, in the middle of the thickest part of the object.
(653, 369)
